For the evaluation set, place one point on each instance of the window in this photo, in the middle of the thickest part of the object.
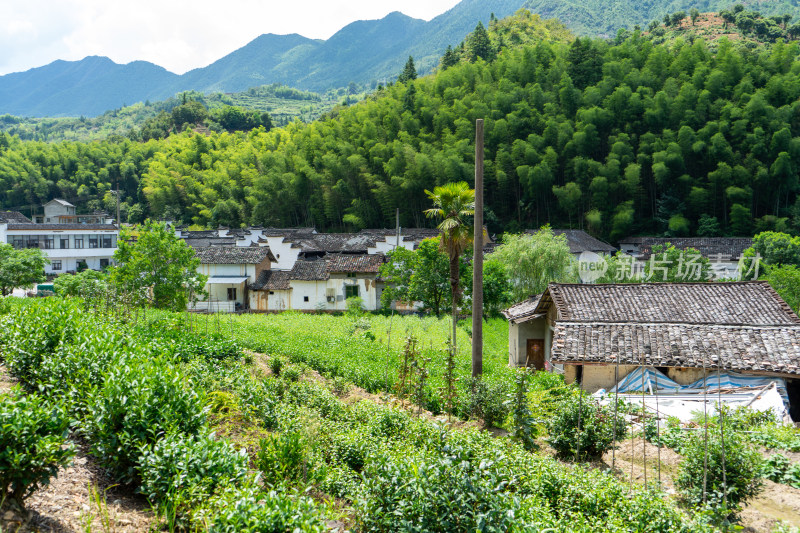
(94, 242)
(64, 243)
(231, 293)
(56, 265)
(305, 298)
(81, 265)
(32, 242)
(351, 291)
(49, 242)
(78, 242)
(351, 275)
(104, 263)
(17, 242)
(106, 241)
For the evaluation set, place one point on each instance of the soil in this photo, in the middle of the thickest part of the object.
(80, 498)
(775, 504)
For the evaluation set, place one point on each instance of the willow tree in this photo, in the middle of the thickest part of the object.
(453, 203)
(533, 260)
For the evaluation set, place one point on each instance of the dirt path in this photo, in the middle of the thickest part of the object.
(80, 498)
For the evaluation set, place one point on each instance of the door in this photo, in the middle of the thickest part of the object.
(535, 355)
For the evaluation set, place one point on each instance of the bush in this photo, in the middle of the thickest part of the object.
(286, 460)
(32, 444)
(180, 464)
(250, 510)
(292, 373)
(140, 401)
(276, 363)
(589, 439)
(486, 401)
(742, 470)
(450, 492)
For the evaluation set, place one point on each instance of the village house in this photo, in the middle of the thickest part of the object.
(71, 242)
(723, 252)
(230, 271)
(598, 334)
(579, 241)
(322, 284)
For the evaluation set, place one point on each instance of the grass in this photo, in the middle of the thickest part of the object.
(366, 350)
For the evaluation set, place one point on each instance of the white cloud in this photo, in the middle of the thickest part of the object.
(176, 34)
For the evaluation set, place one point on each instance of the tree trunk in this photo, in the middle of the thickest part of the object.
(454, 292)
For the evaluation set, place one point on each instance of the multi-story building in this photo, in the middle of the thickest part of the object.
(71, 242)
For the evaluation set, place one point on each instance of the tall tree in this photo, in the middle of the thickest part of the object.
(453, 203)
(480, 45)
(449, 59)
(20, 268)
(409, 72)
(157, 267)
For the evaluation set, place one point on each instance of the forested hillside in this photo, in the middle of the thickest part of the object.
(605, 17)
(284, 104)
(617, 137)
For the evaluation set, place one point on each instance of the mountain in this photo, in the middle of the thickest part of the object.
(604, 17)
(86, 87)
(362, 52)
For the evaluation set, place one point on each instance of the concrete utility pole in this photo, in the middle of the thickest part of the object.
(477, 257)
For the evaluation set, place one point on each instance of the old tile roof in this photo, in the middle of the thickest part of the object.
(233, 255)
(334, 242)
(352, 263)
(523, 311)
(14, 217)
(743, 326)
(272, 280)
(309, 271)
(723, 248)
(769, 349)
(27, 226)
(580, 241)
(748, 303)
(61, 202)
(203, 242)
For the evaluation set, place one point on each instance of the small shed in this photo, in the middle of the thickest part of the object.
(597, 334)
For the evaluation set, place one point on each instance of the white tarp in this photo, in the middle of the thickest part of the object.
(734, 380)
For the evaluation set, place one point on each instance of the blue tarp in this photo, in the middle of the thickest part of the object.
(646, 378)
(733, 380)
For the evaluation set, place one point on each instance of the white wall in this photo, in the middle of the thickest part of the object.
(285, 255)
(390, 243)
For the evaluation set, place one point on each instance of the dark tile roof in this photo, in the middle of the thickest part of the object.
(200, 234)
(285, 232)
(740, 303)
(335, 242)
(523, 311)
(205, 242)
(407, 233)
(739, 348)
(351, 263)
(309, 271)
(723, 248)
(108, 227)
(14, 217)
(580, 241)
(233, 255)
(272, 280)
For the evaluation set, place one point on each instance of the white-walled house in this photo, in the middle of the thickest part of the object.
(320, 284)
(230, 271)
(71, 242)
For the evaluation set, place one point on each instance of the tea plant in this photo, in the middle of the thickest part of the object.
(33, 444)
(582, 429)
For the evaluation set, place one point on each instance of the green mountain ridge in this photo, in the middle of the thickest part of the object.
(362, 52)
(618, 137)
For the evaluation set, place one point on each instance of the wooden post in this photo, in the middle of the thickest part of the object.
(477, 257)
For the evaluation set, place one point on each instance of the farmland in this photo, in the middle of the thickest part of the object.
(142, 393)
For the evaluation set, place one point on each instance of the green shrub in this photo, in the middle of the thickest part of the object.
(287, 460)
(340, 386)
(249, 510)
(276, 363)
(582, 429)
(33, 443)
(181, 463)
(742, 470)
(140, 401)
(292, 373)
(774, 467)
(486, 401)
(450, 492)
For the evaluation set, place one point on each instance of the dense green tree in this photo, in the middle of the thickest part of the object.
(532, 261)
(449, 59)
(420, 276)
(480, 45)
(409, 72)
(20, 269)
(157, 268)
(83, 284)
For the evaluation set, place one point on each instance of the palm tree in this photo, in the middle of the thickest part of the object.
(453, 203)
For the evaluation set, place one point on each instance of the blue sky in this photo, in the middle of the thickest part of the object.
(178, 35)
